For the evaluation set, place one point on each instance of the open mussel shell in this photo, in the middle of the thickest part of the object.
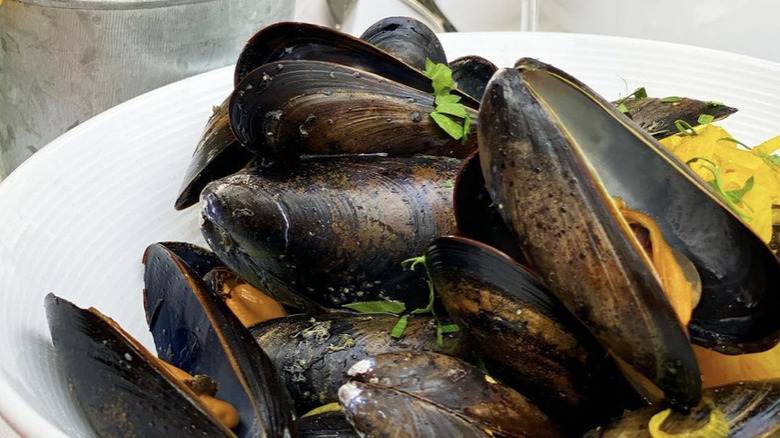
(750, 409)
(659, 116)
(471, 74)
(313, 354)
(290, 41)
(570, 229)
(217, 154)
(429, 394)
(525, 336)
(739, 273)
(194, 330)
(332, 231)
(291, 108)
(476, 215)
(118, 384)
(406, 38)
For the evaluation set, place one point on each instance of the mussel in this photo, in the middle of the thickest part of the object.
(313, 353)
(472, 74)
(553, 157)
(568, 227)
(331, 231)
(406, 38)
(291, 108)
(417, 393)
(525, 336)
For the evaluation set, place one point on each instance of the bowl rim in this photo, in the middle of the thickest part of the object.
(109, 5)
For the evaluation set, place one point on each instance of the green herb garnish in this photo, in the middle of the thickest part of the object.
(729, 139)
(448, 184)
(639, 93)
(449, 114)
(705, 119)
(730, 197)
(671, 99)
(400, 327)
(714, 104)
(684, 127)
(396, 307)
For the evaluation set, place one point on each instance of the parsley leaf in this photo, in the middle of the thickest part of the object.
(684, 127)
(449, 114)
(396, 307)
(400, 327)
(671, 99)
(705, 119)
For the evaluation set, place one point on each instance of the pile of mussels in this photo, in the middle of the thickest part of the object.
(323, 171)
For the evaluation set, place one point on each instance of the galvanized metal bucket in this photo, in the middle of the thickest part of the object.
(63, 61)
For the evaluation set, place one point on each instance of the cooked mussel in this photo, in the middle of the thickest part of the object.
(417, 393)
(313, 354)
(291, 108)
(537, 156)
(525, 336)
(659, 117)
(748, 410)
(217, 154)
(99, 358)
(739, 274)
(331, 231)
(406, 38)
(194, 330)
(290, 41)
(471, 74)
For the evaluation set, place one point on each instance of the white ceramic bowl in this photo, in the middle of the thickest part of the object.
(76, 218)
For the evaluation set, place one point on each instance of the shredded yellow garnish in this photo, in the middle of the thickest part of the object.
(716, 426)
(330, 407)
(735, 166)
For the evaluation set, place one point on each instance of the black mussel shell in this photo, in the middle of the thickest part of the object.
(569, 227)
(408, 39)
(658, 116)
(194, 330)
(117, 382)
(329, 424)
(217, 154)
(739, 273)
(525, 336)
(423, 393)
(290, 41)
(750, 409)
(313, 354)
(292, 108)
(476, 215)
(471, 74)
(332, 231)
(199, 259)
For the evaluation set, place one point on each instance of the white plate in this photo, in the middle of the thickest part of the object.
(76, 218)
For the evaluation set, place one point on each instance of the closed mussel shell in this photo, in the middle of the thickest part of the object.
(525, 336)
(659, 116)
(569, 227)
(330, 424)
(332, 231)
(471, 74)
(406, 38)
(116, 381)
(749, 409)
(313, 354)
(454, 387)
(217, 154)
(194, 330)
(291, 108)
(290, 41)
